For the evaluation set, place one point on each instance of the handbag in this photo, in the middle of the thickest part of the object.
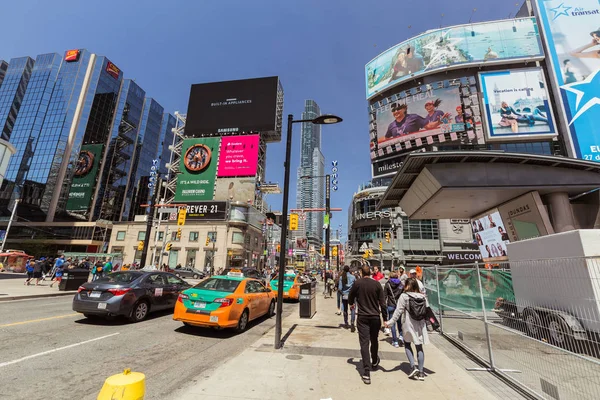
(431, 319)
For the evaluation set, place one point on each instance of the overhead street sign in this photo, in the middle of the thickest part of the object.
(167, 210)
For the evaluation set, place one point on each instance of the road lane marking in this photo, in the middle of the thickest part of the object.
(38, 320)
(7, 363)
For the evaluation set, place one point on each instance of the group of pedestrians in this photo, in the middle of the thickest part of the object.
(54, 269)
(397, 299)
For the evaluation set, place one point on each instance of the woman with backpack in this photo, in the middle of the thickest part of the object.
(411, 308)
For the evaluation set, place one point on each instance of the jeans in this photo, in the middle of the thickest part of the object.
(345, 311)
(411, 357)
(368, 331)
(395, 333)
(339, 298)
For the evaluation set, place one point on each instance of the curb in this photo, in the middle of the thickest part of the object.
(37, 296)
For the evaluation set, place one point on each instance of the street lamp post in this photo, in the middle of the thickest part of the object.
(323, 119)
(327, 218)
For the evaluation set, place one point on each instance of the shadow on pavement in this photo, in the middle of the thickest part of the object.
(121, 320)
(218, 333)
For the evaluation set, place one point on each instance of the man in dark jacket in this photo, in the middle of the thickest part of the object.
(393, 290)
(368, 294)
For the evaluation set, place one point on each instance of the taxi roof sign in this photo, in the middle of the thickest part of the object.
(239, 274)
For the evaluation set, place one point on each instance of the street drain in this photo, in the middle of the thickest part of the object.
(293, 357)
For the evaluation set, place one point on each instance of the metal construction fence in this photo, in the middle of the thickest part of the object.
(534, 323)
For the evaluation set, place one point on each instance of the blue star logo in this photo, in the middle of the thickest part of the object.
(587, 92)
(560, 10)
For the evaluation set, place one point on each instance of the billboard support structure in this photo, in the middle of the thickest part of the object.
(176, 150)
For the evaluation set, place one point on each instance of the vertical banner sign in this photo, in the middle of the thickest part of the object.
(293, 222)
(153, 175)
(84, 177)
(199, 168)
(572, 33)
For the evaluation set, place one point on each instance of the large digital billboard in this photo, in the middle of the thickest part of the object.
(454, 47)
(198, 166)
(425, 115)
(232, 107)
(236, 189)
(491, 236)
(572, 32)
(238, 156)
(84, 178)
(516, 104)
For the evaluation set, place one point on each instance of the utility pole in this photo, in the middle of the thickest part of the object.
(12, 216)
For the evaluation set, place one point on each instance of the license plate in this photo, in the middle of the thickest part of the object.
(287, 293)
(95, 294)
(214, 318)
(199, 304)
(102, 306)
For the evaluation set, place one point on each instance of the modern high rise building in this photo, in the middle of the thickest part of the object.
(310, 188)
(85, 141)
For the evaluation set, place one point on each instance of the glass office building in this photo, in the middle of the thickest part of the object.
(166, 139)
(27, 127)
(12, 92)
(147, 150)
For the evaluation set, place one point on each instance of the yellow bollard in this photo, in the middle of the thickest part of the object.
(126, 386)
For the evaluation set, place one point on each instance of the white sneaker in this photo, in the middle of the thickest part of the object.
(387, 331)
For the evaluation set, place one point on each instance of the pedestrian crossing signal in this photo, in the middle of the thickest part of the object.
(169, 245)
(141, 245)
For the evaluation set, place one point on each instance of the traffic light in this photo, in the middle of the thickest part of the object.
(366, 254)
(207, 241)
(370, 252)
(380, 246)
(278, 248)
(169, 245)
(141, 245)
(334, 251)
(178, 233)
(387, 237)
(322, 250)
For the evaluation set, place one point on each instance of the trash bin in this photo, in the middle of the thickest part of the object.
(73, 278)
(308, 300)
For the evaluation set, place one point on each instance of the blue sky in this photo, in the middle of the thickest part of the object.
(318, 48)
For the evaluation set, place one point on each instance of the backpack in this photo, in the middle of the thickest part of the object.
(99, 268)
(417, 307)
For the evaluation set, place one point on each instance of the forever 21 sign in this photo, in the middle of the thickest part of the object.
(207, 210)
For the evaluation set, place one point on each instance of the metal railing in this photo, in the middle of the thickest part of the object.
(534, 323)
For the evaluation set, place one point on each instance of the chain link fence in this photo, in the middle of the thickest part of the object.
(535, 323)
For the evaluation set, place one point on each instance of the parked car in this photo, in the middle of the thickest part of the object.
(186, 272)
(130, 293)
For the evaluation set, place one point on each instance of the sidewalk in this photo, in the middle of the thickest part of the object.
(14, 289)
(320, 360)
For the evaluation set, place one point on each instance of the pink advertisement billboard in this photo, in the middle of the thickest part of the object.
(238, 156)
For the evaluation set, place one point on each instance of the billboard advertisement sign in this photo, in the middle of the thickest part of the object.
(221, 108)
(198, 165)
(206, 210)
(491, 236)
(423, 116)
(84, 178)
(238, 156)
(454, 47)
(113, 70)
(236, 189)
(572, 32)
(516, 104)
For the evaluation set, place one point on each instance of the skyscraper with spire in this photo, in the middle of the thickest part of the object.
(310, 190)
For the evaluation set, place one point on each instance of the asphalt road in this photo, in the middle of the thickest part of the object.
(49, 352)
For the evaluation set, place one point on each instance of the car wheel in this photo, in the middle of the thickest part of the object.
(533, 323)
(271, 309)
(196, 276)
(140, 311)
(242, 322)
(559, 333)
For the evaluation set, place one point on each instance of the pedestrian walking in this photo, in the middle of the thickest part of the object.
(377, 274)
(413, 274)
(411, 308)
(57, 263)
(59, 273)
(368, 294)
(98, 268)
(37, 272)
(29, 269)
(393, 290)
(345, 285)
(107, 267)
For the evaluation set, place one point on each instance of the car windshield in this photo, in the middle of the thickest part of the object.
(119, 277)
(289, 278)
(221, 285)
